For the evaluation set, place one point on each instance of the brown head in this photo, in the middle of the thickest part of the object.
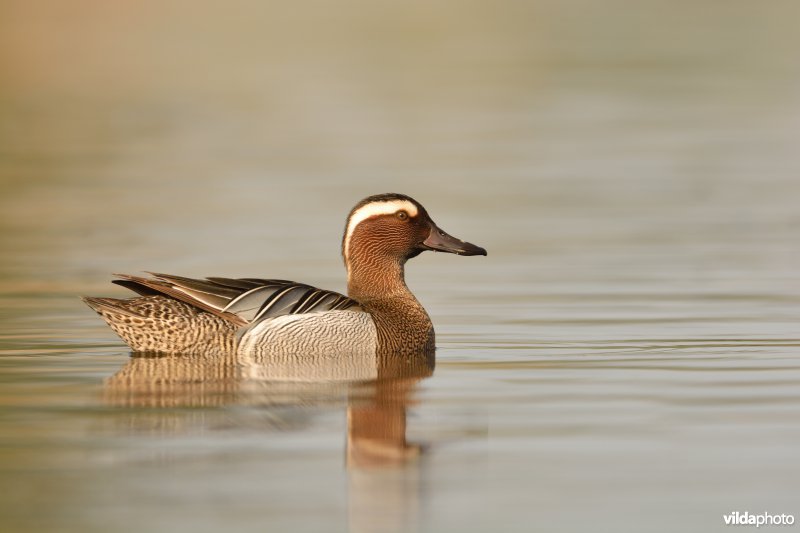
(382, 233)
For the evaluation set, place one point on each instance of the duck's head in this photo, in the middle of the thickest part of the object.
(396, 227)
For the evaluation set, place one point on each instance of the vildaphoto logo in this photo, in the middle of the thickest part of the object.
(764, 519)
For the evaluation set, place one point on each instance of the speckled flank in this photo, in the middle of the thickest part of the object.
(161, 324)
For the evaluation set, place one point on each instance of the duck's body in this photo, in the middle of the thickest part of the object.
(380, 315)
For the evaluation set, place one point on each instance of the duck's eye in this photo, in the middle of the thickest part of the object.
(402, 215)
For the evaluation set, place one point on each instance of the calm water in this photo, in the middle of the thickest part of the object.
(627, 358)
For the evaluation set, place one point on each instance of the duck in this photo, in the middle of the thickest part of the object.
(274, 318)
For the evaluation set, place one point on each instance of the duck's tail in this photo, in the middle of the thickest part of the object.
(164, 325)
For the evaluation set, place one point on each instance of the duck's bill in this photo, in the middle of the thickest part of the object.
(441, 241)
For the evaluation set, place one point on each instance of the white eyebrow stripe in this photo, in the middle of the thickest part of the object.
(374, 209)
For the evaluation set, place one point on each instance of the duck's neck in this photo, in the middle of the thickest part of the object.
(376, 278)
(378, 284)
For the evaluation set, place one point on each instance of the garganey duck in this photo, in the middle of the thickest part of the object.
(272, 317)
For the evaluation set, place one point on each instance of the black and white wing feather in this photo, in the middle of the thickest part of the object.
(243, 301)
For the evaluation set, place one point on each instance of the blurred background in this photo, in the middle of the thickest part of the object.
(632, 168)
(137, 134)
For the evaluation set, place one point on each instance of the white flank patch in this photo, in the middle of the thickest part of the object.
(374, 209)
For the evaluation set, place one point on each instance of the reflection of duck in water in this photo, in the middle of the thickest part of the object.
(261, 317)
(377, 391)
